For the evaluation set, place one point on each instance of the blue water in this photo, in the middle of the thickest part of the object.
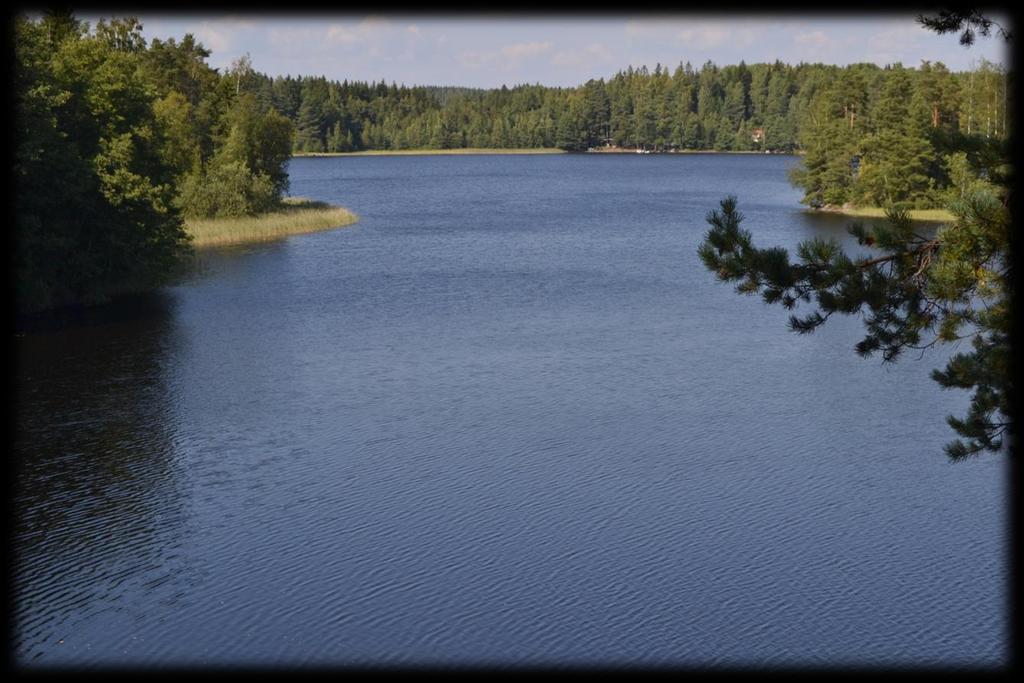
(506, 418)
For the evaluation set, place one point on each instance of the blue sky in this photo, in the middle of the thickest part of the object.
(489, 51)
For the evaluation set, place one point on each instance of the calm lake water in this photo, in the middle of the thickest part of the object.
(507, 418)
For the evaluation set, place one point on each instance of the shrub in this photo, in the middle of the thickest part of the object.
(229, 189)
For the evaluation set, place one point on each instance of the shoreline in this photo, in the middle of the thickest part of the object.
(621, 150)
(459, 151)
(298, 216)
(433, 152)
(922, 215)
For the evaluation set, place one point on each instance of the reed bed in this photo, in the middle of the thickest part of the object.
(425, 152)
(930, 215)
(297, 216)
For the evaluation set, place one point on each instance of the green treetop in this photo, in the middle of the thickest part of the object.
(917, 289)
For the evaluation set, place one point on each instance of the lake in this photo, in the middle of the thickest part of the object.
(506, 418)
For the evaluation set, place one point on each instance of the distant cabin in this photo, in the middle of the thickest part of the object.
(758, 135)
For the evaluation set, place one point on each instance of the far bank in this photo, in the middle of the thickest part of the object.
(527, 150)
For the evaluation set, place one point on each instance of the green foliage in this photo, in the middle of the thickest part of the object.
(966, 21)
(114, 139)
(945, 144)
(921, 290)
(228, 189)
(830, 112)
(247, 175)
(260, 141)
(94, 213)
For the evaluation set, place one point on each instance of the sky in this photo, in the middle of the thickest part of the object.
(491, 51)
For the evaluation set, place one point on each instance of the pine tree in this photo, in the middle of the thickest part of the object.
(896, 154)
(917, 289)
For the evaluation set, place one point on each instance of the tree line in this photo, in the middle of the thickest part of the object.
(137, 136)
(740, 108)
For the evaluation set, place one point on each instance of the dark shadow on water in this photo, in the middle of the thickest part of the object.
(126, 308)
(97, 502)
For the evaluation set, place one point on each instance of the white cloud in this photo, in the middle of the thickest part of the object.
(813, 39)
(525, 50)
(695, 33)
(367, 30)
(411, 49)
(506, 57)
(215, 39)
(293, 40)
(704, 36)
(595, 54)
(338, 33)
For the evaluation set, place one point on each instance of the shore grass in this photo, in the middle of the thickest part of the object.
(297, 216)
(670, 152)
(423, 152)
(929, 215)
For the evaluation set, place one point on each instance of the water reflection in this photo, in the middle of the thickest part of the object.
(98, 499)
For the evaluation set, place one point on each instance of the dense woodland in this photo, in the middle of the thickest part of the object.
(711, 108)
(116, 142)
(145, 134)
(871, 135)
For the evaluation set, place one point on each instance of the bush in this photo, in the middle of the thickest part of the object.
(230, 189)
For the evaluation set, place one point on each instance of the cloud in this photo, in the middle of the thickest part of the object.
(366, 30)
(813, 39)
(646, 29)
(714, 34)
(215, 39)
(507, 56)
(592, 55)
(294, 40)
(696, 33)
(524, 50)
(902, 37)
(703, 37)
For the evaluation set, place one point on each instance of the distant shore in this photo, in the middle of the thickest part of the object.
(625, 150)
(433, 152)
(928, 215)
(522, 150)
(298, 216)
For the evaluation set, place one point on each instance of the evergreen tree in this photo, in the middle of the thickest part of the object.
(896, 154)
(917, 289)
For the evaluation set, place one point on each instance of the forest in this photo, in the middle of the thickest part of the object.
(870, 135)
(116, 143)
(138, 136)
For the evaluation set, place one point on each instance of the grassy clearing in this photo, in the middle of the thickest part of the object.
(422, 152)
(298, 216)
(930, 215)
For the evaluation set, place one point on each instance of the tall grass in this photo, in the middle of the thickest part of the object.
(297, 216)
(930, 215)
(422, 152)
